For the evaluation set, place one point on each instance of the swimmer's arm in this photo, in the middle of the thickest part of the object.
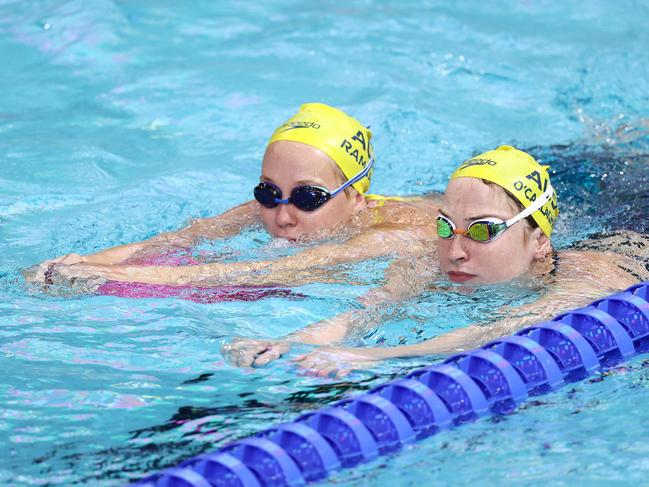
(222, 226)
(394, 241)
(573, 293)
(306, 266)
(581, 279)
(311, 265)
(225, 225)
(348, 358)
(404, 279)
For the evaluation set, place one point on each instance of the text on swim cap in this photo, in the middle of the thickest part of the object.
(551, 217)
(347, 145)
(530, 193)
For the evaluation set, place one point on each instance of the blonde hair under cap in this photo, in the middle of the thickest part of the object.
(520, 174)
(343, 138)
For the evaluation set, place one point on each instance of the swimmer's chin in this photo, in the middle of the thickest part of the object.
(306, 237)
(288, 238)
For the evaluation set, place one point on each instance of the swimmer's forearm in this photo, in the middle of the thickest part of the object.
(225, 225)
(336, 329)
(114, 255)
(306, 266)
(331, 331)
(368, 245)
(452, 342)
(122, 253)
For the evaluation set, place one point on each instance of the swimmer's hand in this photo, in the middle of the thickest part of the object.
(40, 273)
(55, 283)
(248, 352)
(124, 273)
(338, 361)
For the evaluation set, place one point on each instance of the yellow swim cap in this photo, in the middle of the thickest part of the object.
(520, 174)
(341, 137)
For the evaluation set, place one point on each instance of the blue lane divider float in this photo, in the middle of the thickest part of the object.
(495, 378)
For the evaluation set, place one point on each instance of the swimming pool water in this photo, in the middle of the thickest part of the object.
(120, 119)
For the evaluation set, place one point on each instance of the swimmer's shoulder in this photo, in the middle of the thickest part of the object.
(604, 269)
(408, 210)
(625, 249)
(432, 198)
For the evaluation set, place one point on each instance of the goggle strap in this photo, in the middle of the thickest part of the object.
(356, 178)
(543, 199)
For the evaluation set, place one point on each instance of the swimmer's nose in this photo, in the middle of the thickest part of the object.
(285, 216)
(458, 251)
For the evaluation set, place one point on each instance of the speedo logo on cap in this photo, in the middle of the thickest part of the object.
(478, 161)
(299, 125)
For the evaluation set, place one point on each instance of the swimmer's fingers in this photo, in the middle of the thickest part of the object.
(243, 357)
(242, 352)
(334, 361)
(274, 352)
(34, 274)
(41, 273)
(321, 364)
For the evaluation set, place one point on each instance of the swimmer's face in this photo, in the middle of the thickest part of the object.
(507, 257)
(290, 164)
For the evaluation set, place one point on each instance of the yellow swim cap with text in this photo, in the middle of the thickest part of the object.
(520, 174)
(343, 138)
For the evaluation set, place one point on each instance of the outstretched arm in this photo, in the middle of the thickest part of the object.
(307, 266)
(583, 277)
(404, 279)
(222, 226)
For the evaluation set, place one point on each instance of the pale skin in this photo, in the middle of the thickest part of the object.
(364, 229)
(521, 253)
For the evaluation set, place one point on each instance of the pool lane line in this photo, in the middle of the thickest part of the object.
(493, 379)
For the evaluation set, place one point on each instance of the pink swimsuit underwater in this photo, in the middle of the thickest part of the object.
(198, 294)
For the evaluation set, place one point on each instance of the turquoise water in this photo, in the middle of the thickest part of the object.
(120, 119)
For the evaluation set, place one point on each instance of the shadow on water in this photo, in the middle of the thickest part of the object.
(193, 430)
(601, 188)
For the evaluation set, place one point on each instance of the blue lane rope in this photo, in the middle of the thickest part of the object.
(493, 379)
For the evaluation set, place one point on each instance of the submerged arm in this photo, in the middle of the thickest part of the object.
(581, 278)
(222, 226)
(227, 224)
(405, 278)
(312, 264)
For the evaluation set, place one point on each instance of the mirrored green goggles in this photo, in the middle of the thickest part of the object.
(488, 229)
(484, 230)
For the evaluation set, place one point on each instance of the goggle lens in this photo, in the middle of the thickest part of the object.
(444, 228)
(266, 194)
(480, 231)
(305, 198)
(309, 198)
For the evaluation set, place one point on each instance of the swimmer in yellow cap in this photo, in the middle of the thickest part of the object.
(301, 192)
(315, 175)
(509, 244)
(494, 226)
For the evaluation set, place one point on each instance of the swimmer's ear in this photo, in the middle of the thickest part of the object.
(542, 244)
(359, 201)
